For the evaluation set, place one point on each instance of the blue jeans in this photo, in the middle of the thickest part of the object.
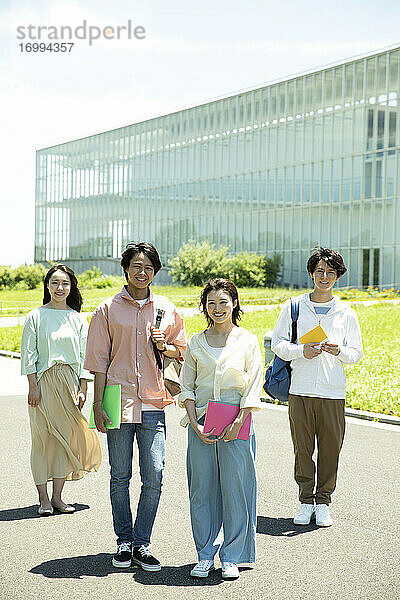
(150, 436)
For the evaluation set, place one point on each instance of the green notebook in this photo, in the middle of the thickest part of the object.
(111, 405)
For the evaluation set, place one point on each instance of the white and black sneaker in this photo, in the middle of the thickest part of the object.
(123, 556)
(142, 556)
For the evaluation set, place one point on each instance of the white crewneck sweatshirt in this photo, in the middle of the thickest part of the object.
(322, 376)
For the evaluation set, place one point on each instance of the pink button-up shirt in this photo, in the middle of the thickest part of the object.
(119, 345)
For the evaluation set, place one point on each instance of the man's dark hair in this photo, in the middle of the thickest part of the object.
(332, 258)
(228, 287)
(136, 248)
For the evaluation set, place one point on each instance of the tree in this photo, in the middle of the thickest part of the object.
(197, 262)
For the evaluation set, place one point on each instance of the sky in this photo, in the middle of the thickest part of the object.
(192, 52)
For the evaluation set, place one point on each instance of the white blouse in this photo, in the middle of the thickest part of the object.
(236, 376)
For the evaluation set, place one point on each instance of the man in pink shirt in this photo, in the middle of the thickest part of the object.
(120, 350)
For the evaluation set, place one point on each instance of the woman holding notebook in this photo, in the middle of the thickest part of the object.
(223, 365)
(52, 355)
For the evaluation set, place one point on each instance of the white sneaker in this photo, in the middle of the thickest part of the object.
(229, 570)
(322, 516)
(304, 514)
(202, 569)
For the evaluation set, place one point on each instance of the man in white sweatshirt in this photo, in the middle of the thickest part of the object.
(318, 380)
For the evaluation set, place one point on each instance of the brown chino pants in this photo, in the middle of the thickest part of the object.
(323, 419)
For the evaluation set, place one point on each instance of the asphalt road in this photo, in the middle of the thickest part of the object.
(68, 557)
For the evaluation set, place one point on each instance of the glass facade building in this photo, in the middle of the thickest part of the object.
(313, 159)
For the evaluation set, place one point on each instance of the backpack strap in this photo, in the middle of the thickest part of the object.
(294, 311)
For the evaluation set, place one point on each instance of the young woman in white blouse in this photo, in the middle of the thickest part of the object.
(223, 364)
(52, 354)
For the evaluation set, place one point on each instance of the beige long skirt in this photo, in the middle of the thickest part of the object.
(63, 446)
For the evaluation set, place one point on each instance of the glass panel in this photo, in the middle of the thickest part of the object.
(344, 229)
(365, 268)
(307, 184)
(326, 182)
(328, 146)
(337, 133)
(359, 81)
(370, 128)
(299, 139)
(335, 226)
(289, 185)
(348, 132)
(371, 80)
(394, 71)
(271, 188)
(336, 180)
(380, 129)
(316, 183)
(318, 93)
(392, 129)
(272, 146)
(309, 92)
(290, 142)
(378, 179)
(367, 179)
(273, 109)
(281, 99)
(290, 98)
(386, 278)
(297, 183)
(348, 88)
(381, 83)
(308, 139)
(318, 137)
(390, 172)
(280, 186)
(358, 130)
(346, 166)
(299, 98)
(338, 87)
(328, 90)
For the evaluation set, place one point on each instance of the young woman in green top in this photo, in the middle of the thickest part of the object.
(52, 354)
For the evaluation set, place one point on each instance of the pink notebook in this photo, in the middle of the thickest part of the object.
(220, 415)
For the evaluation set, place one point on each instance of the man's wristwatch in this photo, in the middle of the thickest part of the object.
(164, 349)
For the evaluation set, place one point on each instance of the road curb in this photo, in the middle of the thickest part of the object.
(352, 412)
(10, 354)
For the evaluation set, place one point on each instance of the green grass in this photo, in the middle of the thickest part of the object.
(19, 302)
(373, 384)
(10, 338)
(15, 302)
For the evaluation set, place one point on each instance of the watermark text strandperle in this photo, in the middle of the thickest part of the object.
(90, 33)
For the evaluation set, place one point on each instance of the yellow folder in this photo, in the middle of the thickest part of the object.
(314, 336)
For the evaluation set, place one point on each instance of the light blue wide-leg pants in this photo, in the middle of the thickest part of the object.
(223, 493)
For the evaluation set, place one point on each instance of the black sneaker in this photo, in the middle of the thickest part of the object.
(123, 556)
(142, 556)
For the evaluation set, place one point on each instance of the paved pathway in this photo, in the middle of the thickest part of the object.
(67, 557)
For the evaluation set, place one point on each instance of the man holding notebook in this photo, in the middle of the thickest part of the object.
(122, 348)
(328, 337)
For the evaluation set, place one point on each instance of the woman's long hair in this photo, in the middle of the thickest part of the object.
(227, 286)
(74, 298)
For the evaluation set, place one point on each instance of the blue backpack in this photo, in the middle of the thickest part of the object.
(277, 376)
